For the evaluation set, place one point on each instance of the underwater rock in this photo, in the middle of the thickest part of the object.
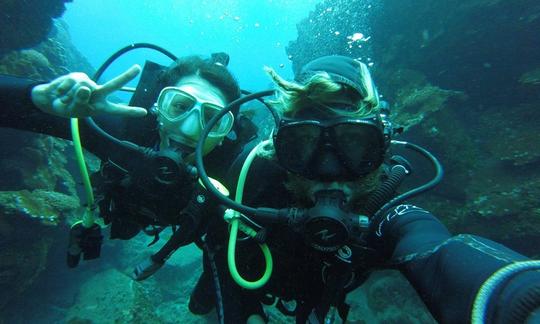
(112, 297)
(23, 257)
(26, 23)
(392, 300)
(516, 130)
(531, 77)
(28, 228)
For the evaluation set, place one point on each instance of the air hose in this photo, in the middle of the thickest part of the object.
(233, 218)
(416, 191)
(88, 217)
(499, 278)
(387, 189)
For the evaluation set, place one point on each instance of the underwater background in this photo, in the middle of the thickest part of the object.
(462, 78)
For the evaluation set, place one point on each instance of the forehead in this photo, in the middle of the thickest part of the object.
(327, 110)
(201, 89)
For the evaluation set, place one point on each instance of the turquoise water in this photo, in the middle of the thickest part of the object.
(253, 33)
(462, 76)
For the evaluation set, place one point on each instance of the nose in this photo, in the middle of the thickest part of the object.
(326, 164)
(190, 127)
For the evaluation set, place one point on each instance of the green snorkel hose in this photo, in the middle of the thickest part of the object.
(85, 235)
(233, 218)
(88, 218)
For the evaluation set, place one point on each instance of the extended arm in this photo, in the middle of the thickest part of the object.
(448, 271)
(38, 107)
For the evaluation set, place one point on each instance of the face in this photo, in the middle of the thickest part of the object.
(183, 111)
(337, 143)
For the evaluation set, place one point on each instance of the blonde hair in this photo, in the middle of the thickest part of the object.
(320, 89)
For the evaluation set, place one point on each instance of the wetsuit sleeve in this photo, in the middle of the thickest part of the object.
(19, 112)
(448, 271)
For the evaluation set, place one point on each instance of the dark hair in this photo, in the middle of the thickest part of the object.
(212, 70)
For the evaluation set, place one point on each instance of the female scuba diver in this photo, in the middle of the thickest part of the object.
(325, 209)
(148, 183)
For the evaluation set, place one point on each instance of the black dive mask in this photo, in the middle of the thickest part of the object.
(337, 149)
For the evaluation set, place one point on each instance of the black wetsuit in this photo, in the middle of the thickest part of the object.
(446, 271)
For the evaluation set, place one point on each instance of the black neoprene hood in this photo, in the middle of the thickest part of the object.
(342, 69)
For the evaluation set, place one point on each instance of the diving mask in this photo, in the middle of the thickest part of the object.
(175, 105)
(342, 148)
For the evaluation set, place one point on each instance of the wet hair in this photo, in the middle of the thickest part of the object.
(212, 70)
(319, 89)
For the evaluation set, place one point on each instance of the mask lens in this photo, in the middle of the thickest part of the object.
(295, 146)
(174, 103)
(360, 145)
(223, 126)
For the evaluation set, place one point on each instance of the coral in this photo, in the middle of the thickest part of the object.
(35, 162)
(48, 207)
(53, 57)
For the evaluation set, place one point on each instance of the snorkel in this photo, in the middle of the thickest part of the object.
(326, 225)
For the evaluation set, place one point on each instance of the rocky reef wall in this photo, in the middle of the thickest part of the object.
(38, 194)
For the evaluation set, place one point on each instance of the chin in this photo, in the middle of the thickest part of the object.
(187, 145)
(177, 145)
(304, 189)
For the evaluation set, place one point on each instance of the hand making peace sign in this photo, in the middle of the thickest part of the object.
(75, 95)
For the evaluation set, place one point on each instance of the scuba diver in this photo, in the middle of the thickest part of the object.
(326, 213)
(147, 181)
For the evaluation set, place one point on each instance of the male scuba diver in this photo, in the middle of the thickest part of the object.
(147, 180)
(326, 214)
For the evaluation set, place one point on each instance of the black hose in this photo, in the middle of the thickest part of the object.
(386, 190)
(92, 124)
(217, 286)
(129, 48)
(200, 164)
(146, 151)
(270, 109)
(418, 190)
